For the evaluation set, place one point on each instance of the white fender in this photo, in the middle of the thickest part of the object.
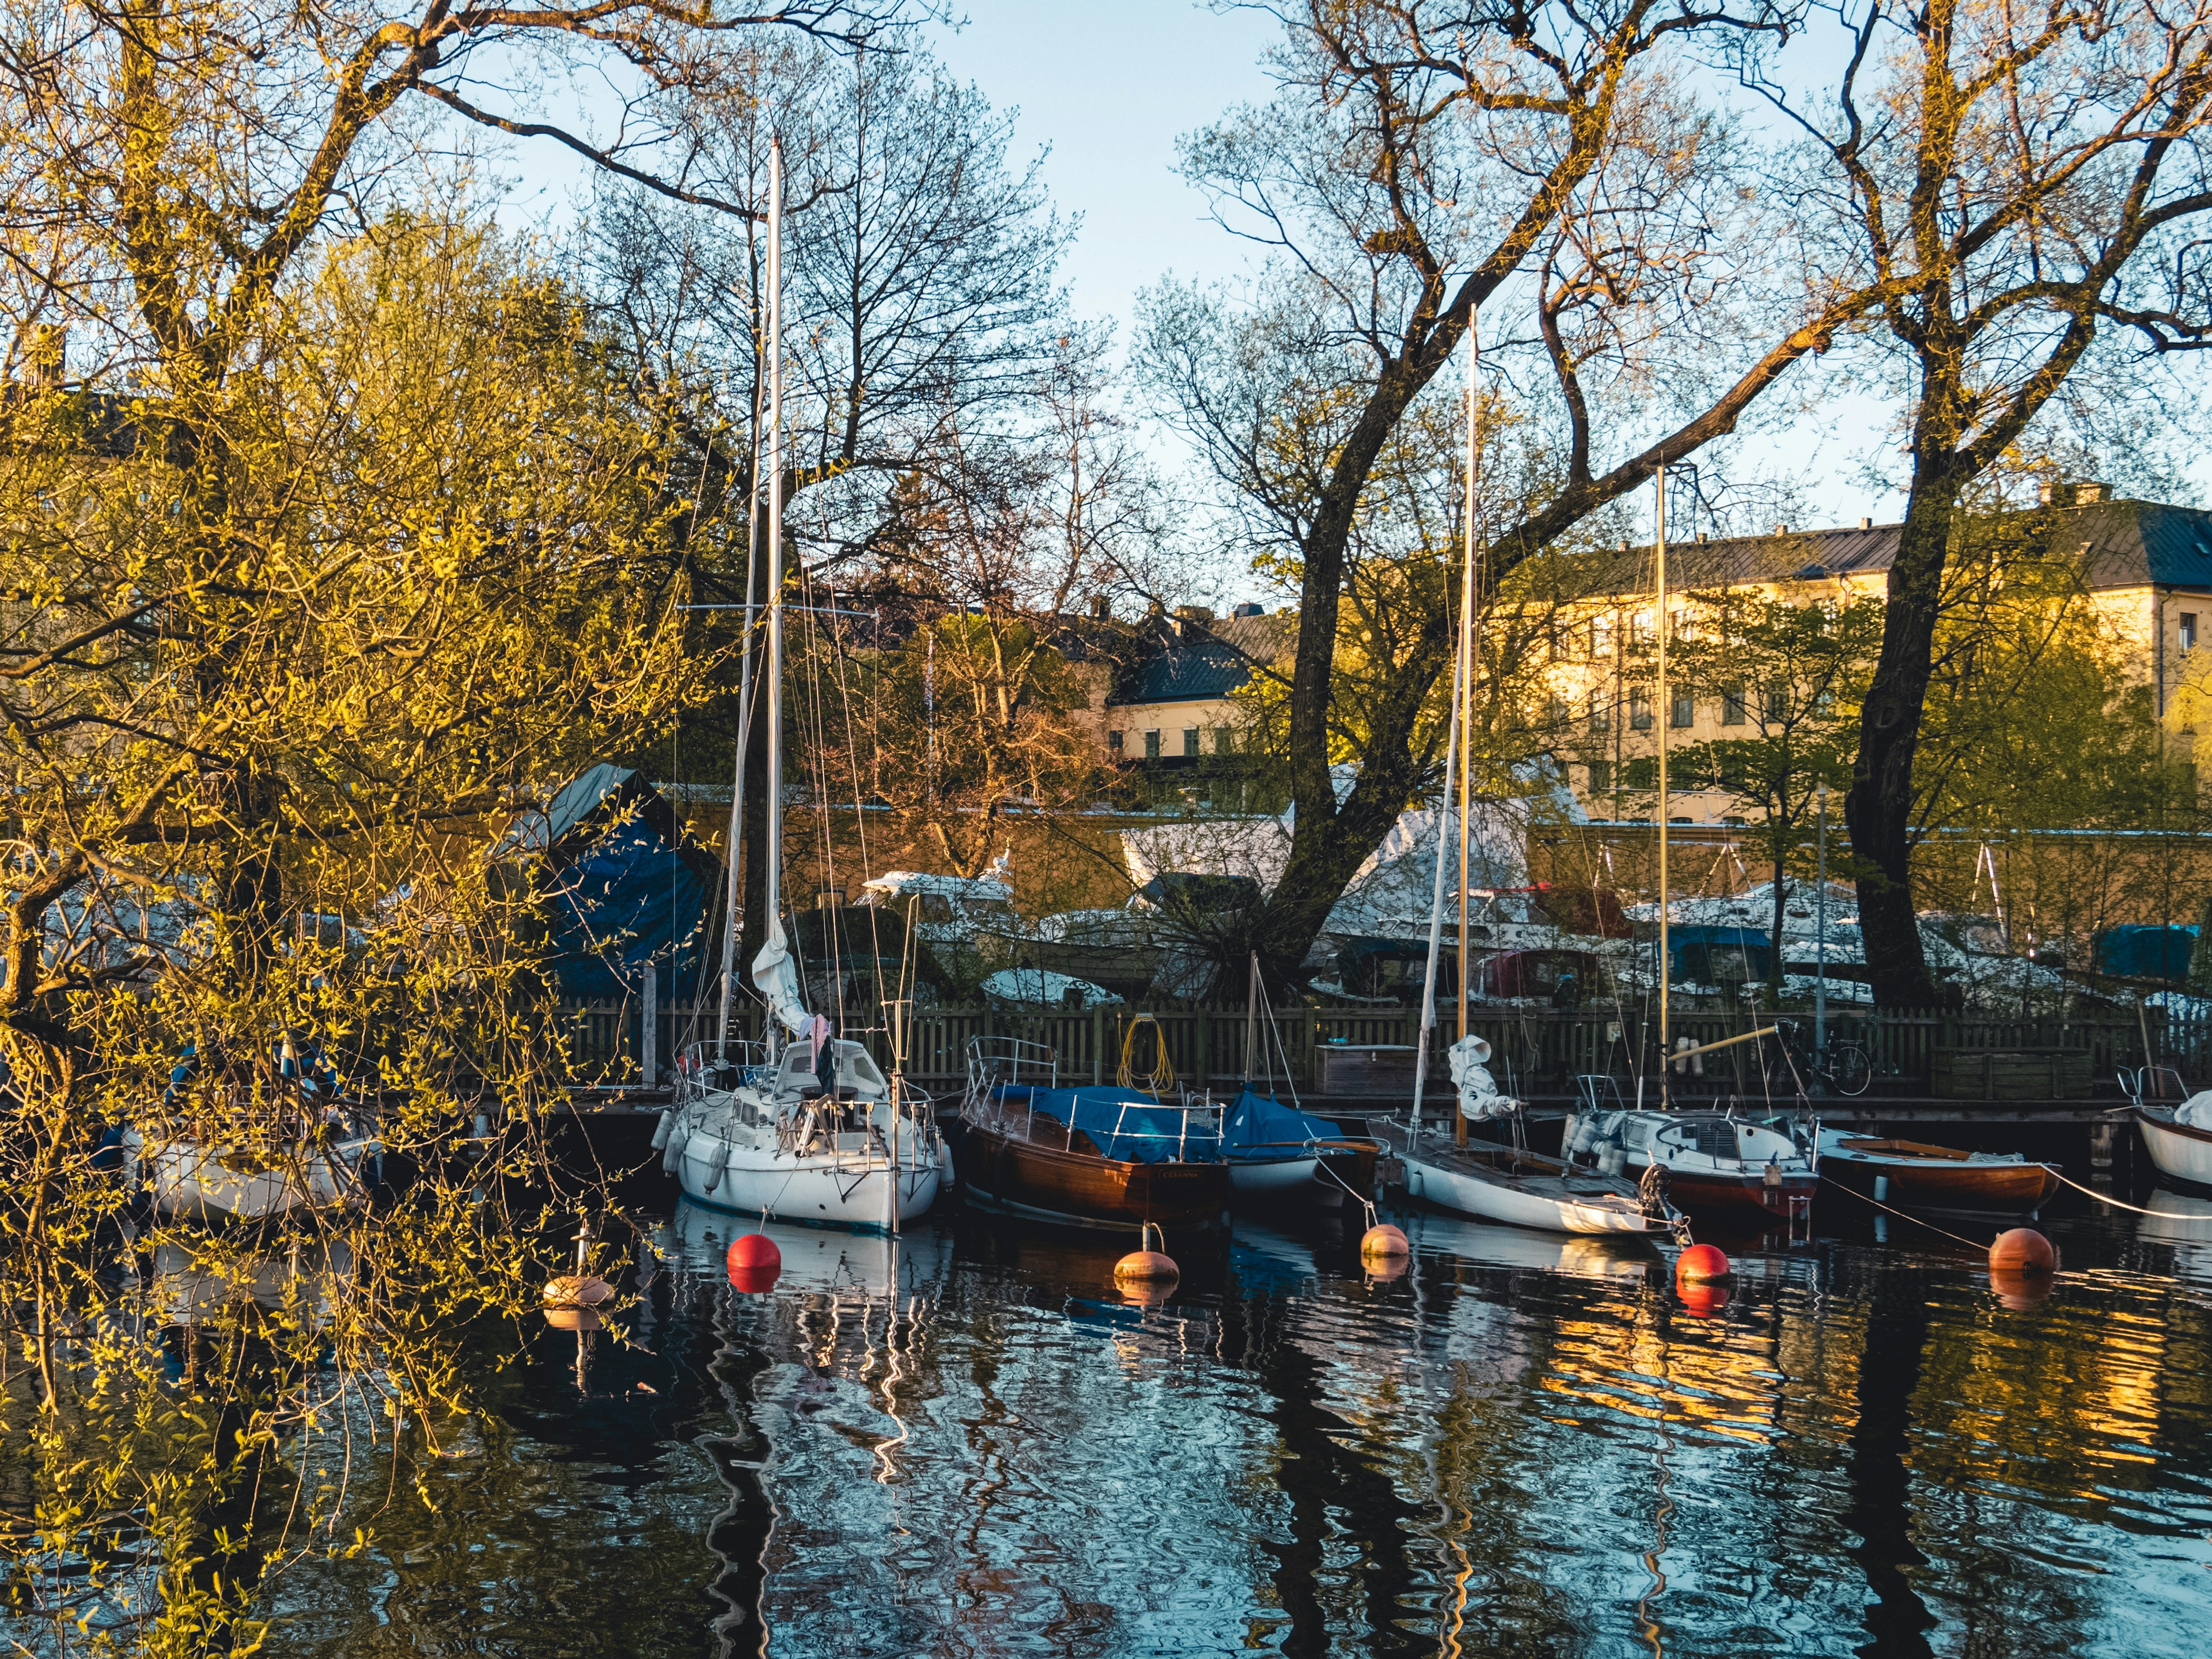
(660, 1129)
(672, 1157)
(720, 1158)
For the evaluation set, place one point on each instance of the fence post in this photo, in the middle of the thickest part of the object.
(1202, 1047)
(648, 1046)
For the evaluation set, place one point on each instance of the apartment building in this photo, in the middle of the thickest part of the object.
(2146, 567)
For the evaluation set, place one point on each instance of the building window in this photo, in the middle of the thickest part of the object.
(1151, 745)
(2189, 630)
(1113, 742)
(1639, 709)
(1601, 637)
(1776, 711)
(1601, 777)
(1190, 741)
(1600, 711)
(1639, 629)
(1732, 705)
(1225, 740)
(1558, 712)
(1684, 711)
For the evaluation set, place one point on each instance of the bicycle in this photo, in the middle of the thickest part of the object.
(1846, 1069)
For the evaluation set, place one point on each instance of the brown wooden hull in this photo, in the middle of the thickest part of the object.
(1082, 1189)
(1915, 1184)
(1723, 1198)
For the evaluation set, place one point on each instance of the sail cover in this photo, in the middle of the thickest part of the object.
(1258, 1129)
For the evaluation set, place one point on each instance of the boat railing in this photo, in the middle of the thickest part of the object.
(699, 1070)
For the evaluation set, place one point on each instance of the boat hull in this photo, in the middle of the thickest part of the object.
(853, 1195)
(1718, 1196)
(188, 1181)
(1491, 1200)
(2001, 1187)
(1080, 1190)
(1322, 1181)
(2176, 1149)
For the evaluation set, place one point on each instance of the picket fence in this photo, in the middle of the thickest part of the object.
(1536, 1053)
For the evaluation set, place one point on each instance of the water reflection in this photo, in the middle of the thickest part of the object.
(967, 1441)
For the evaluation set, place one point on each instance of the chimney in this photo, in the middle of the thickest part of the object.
(1101, 608)
(2048, 494)
(1782, 530)
(1703, 536)
(1865, 524)
(1249, 608)
(2088, 494)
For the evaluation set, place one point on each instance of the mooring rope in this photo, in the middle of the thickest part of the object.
(1904, 1215)
(2102, 1198)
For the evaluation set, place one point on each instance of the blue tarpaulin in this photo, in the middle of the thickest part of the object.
(1127, 1126)
(2146, 953)
(1258, 1129)
(623, 884)
(1712, 955)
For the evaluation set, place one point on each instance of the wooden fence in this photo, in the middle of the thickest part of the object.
(1535, 1052)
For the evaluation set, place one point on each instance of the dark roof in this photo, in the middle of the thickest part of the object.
(2129, 545)
(1185, 660)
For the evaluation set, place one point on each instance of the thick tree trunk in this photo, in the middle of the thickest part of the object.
(1879, 808)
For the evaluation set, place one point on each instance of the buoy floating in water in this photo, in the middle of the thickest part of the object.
(1148, 1264)
(754, 1262)
(1383, 1240)
(1701, 1264)
(2022, 1250)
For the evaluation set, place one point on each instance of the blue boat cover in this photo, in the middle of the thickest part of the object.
(1125, 1125)
(1258, 1129)
(2140, 952)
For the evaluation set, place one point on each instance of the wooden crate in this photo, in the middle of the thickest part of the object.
(1365, 1068)
(1996, 1074)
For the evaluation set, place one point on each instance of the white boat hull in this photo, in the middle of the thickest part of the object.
(187, 1180)
(855, 1191)
(2177, 1151)
(1495, 1201)
(1277, 1178)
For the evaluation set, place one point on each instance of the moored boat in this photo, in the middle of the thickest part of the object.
(1912, 1174)
(1492, 1181)
(1098, 1156)
(1719, 1167)
(2180, 1137)
(1277, 1154)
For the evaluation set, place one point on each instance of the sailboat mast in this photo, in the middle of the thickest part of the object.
(772, 848)
(1463, 706)
(1436, 910)
(745, 734)
(1666, 713)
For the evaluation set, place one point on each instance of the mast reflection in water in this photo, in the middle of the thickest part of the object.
(965, 1440)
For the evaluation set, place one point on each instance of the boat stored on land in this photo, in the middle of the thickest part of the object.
(1912, 1175)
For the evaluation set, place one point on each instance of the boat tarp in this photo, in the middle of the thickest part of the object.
(1260, 1129)
(2139, 953)
(1124, 1125)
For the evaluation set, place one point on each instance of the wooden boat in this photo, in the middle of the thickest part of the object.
(2180, 1151)
(1912, 1174)
(1491, 1181)
(1021, 1156)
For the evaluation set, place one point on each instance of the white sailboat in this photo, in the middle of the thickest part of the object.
(1489, 1179)
(809, 1129)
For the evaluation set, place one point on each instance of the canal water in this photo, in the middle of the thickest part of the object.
(968, 1442)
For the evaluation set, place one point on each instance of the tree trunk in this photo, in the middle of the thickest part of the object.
(1878, 809)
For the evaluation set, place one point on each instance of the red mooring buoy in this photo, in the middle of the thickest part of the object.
(754, 1261)
(2023, 1249)
(1703, 1298)
(1701, 1264)
(1149, 1265)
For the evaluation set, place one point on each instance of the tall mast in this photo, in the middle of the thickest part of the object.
(745, 729)
(1666, 713)
(1437, 909)
(772, 848)
(1463, 705)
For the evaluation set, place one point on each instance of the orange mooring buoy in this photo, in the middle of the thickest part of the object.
(1701, 1264)
(2023, 1249)
(578, 1291)
(1702, 1297)
(1148, 1263)
(1383, 1240)
(754, 1262)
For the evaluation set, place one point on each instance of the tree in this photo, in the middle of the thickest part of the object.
(2020, 184)
(1789, 670)
(1422, 162)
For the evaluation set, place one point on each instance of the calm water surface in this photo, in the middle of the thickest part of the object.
(968, 1442)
